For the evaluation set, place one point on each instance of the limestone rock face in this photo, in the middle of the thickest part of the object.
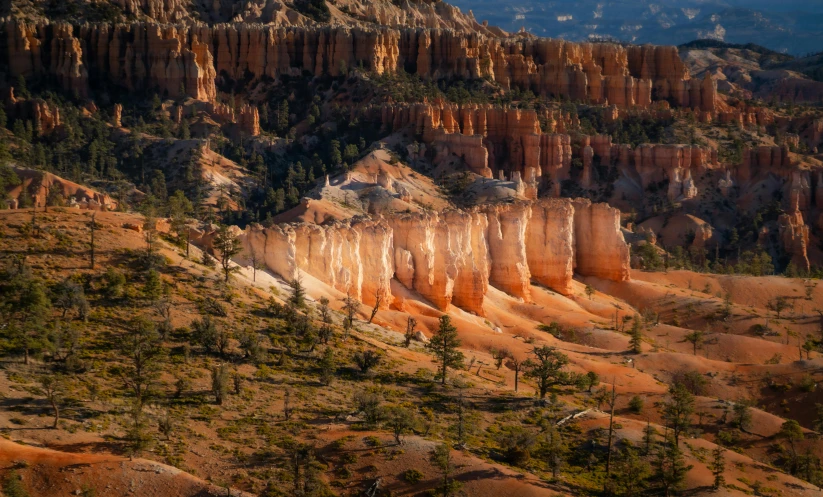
(443, 257)
(117, 116)
(40, 184)
(488, 139)
(46, 118)
(800, 190)
(67, 61)
(188, 57)
(507, 235)
(763, 157)
(794, 236)
(600, 248)
(159, 10)
(550, 245)
(452, 257)
(677, 163)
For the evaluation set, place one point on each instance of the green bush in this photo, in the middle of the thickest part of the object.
(412, 476)
(636, 404)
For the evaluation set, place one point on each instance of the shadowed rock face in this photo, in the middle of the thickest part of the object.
(184, 60)
(451, 258)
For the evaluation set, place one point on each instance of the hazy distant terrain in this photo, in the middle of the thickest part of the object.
(791, 26)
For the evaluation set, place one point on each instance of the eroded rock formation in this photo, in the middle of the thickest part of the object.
(185, 59)
(44, 189)
(451, 258)
(794, 237)
(491, 140)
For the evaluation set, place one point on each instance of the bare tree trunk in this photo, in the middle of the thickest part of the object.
(611, 430)
(56, 412)
(93, 225)
(377, 302)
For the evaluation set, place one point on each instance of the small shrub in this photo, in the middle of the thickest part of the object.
(636, 404)
(412, 476)
(807, 384)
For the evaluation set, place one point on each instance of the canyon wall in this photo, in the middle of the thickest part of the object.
(185, 60)
(452, 257)
(492, 139)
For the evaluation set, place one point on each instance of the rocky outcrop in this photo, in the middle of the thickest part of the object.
(451, 258)
(676, 163)
(800, 190)
(763, 157)
(794, 237)
(48, 189)
(171, 59)
(117, 115)
(184, 60)
(599, 247)
(45, 116)
(488, 139)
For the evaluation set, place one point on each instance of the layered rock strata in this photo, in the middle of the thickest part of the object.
(186, 59)
(493, 139)
(451, 258)
(794, 237)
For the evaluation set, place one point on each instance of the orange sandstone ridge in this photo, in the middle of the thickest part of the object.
(452, 257)
(188, 59)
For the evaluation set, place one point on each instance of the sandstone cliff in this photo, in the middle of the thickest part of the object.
(43, 187)
(451, 258)
(794, 237)
(491, 140)
(186, 59)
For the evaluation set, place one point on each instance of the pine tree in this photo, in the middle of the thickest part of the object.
(298, 293)
(678, 410)
(228, 245)
(631, 474)
(180, 207)
(351, 306)
(696, 338)
(671, 469)
(718, 467)
(546, 367)
(411, 324)
(554, 450)
(153, 289)
(443, 345)
(636, 340)
(328, 365)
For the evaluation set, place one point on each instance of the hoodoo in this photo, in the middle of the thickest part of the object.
(188, 59)
(451, 258)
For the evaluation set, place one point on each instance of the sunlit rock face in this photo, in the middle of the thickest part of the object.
(451, 258)
(600, 249)
(185, 59)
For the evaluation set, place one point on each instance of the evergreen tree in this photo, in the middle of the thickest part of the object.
(328, 365)
(180, 208)
(678, 410)
(554, 450)
(443, 345)
(696, 338)
(718, 467)
(792, 432)
(440, 458)
(636, 340)
(227, 245)
(631, 474)
(546, 367)
(153, 288)
(142, 351)
(670, 469)
(220, 383)
(298, 293)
